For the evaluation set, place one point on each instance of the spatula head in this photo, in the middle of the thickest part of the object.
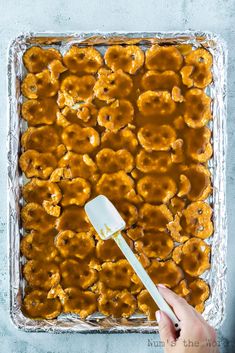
(104, 217)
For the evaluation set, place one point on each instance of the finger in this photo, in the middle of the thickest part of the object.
(166, 328)
(182, 309)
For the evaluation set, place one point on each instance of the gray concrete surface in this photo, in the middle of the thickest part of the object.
(110, 15)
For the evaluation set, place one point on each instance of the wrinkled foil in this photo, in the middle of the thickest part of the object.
(216, 277)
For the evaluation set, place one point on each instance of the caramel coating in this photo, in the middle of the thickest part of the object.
(199, 293)
(151, 102)
(167, 273)
(41, 139)
(156, 191)
(148, 162)
(154, 217)
(130, 59)
(36, 164)
(153, 138)
(37, 190)
(75, 192)
(79, 302)
(197, 108)
(163, 58)
(155, 244)
(78, 165)
(39, 85)
(115, 185)
(83, 60)
(36, 305)
(36, 242)
(74, 218)
(78, 88)
(112, 85)
(198, 220)
(117, 303)
(77, 273)
(130, 125)
(193, 256)
(147, 305)
(117, 115)
(109, 161)
(116, 275)
(40, 111)
(80, 140)
(41, 275)
(117, 140)
(37, 59)
(163, 81)
(71, 244)
(35, 217)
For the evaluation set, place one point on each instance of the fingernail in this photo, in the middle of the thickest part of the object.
(161, 285)
(158, 316)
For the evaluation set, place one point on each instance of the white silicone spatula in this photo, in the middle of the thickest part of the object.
(108, 223)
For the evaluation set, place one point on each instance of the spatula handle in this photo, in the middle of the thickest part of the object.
(145, 279)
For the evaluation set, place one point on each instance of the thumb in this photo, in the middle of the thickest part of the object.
(166, 328)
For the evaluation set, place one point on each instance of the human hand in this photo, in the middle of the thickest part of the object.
(195, 336)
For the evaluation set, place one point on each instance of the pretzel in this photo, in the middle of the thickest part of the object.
(197, 71)
(197, 108)
(198, 219)
(116, 275)
(78, 165)
(109, 161)
(117, 140)
(36, 164)
(155, 244)
(116, 303)
(156, 102)
(159, 190)
(37, 306)
(40, 111)
(167, 273)
(41, 275)
(199, 178)
(114, 185)
(112, 85)
(193, 256)
(128, 212)
(135, 232)
(39, 85)
(73, 218)
(36, 243)
(176, 229)
(80, 140)
(153, 138)
(41, 139)
(35, 217)
(163, 58)
(164, 81)
(83, 60)
(198, 146)
(130, 58)
(83, 303)
(37, 59)
(199, 293)
(154, 217)
(147, 305)
(37, 190)
(148, 162)
(117, 115)
(182, 289)
(74, 192)
(77, 273)
(77, 88)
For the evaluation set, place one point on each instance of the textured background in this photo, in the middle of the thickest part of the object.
(110, 15)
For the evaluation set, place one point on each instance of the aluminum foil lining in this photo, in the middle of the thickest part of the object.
(216, 277)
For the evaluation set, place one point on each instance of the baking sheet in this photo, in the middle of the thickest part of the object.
(216, 277)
